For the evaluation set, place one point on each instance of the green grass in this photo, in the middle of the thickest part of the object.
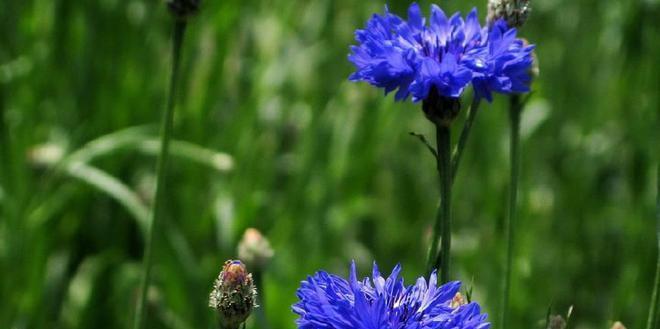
(325, 168)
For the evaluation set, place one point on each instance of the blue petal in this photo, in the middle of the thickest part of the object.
(415, 18)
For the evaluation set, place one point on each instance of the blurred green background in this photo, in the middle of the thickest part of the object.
(273, 136)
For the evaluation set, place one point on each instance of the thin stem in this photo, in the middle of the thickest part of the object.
(515, 109)
(442, 225)
(161, 168)
(462, 141)
(653, 308)
(261, 297)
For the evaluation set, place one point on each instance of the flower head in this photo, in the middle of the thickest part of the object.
(332, 302)
(412, 56)
(439, 59)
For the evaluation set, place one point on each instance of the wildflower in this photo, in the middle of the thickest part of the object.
(182, 9)
(414, 57)
(234, 294)
(255, 249)
(435, 62)
(329, 301)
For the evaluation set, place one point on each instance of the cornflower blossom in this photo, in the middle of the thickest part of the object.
(441, 57)
(331, 302)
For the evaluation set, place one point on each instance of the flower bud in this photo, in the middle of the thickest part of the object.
(514, 12)
(458, 300)
(255, 249)
(46, 155)
(234, 294)
(182, 9)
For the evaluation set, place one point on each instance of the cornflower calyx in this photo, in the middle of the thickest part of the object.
(440, 110)
(234, 294)
(514, 12)
(183, 9)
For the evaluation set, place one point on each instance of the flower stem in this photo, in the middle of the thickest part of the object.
(515, 109)
(462, 141)
(653, 308)
(260, 311)
(442, 226)
(161, 167)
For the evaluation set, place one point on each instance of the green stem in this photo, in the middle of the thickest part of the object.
(462, 141)
(653, 308)
(442, 226)
(262, 321)
(515, 108)
(161, 168)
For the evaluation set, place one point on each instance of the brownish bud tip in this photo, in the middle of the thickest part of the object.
(234, 295)
(458, 300)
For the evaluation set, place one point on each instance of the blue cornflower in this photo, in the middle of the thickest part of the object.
(505, 63)
(413, 57)
(328, 301)
(440, 57)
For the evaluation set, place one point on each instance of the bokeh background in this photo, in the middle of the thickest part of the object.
(272, 135)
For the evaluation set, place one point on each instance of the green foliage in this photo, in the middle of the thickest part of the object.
(325, 168)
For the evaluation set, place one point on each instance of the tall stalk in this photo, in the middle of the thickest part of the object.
(515, 108)
(161, 168)
(446, 164)
(653, 308)
(442, 226)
